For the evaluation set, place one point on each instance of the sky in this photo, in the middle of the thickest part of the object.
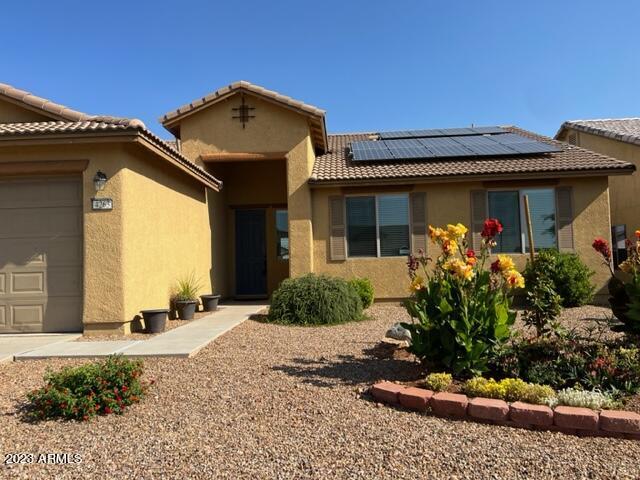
(372, 65)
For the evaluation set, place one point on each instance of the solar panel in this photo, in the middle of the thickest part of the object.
(439, 132)
(445, 147)
(460, 143)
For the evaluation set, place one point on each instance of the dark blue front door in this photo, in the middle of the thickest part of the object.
(251, 255)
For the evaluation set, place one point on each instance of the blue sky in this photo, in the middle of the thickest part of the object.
(372, 65)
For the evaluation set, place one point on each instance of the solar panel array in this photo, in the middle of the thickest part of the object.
(457, 142)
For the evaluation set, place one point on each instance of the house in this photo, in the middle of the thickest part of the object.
(99, 217)
(618, 138)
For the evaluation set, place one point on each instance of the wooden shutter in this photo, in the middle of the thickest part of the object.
(564, 218)
(478, 215)
(337, 229)
(418, 217)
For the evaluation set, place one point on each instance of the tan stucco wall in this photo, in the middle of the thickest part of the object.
(12, 113)
(273, 130)
(128, 267)
(166, 230)
(624, 190)
(450, 203)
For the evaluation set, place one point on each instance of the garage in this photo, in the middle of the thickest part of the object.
(41, 254)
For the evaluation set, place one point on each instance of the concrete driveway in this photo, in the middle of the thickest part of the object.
(11, 345)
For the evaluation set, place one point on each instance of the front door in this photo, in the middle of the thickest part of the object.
(251, 253)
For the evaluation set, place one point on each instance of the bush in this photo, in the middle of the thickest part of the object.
(569, 362)
(543, 305)
(460, 311)
(94, 388)
(570, 276)
(509, 389)
(315, 300)
(438, 382)
(365, 289)
(575, 397)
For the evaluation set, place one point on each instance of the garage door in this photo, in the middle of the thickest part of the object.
(41, 255)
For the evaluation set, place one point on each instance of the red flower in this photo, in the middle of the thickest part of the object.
(471, 253)
(492, 227)
(495, 266)
(107, 410)
(602, 247)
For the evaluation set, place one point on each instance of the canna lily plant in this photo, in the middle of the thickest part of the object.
(460, 309)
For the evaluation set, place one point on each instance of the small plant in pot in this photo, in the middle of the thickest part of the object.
(185, 298)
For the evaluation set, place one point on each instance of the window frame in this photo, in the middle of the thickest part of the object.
(523, 219)
(275, 221)
(376, 203)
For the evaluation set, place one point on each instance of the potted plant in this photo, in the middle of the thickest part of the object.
(185, 298)
(210, 302)
(155, 320)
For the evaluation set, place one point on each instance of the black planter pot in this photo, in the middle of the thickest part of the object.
(186, 309)
(155, 321)
(210, 302)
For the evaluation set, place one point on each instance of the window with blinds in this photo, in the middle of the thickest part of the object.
(508, 207)
(377, 226)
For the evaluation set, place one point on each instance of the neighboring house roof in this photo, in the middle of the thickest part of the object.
(316, 115)
(622, 129)
(77, 123)
(336, 166)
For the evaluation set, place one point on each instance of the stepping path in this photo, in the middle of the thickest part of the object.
(183, 341)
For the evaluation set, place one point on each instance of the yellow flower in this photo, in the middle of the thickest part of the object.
(416, 284)
(449, 247)
(505, 263)
(625, 266)
(459, 268)
(514, 279)
(436, 234)
(471, 261)
(456, 231)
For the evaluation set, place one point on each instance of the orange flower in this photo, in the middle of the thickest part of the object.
(638, 234)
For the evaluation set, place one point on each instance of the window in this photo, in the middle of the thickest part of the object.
(282, 234)
(508, 207)
(377, 226)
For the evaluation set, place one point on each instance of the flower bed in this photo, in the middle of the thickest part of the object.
(566, 419)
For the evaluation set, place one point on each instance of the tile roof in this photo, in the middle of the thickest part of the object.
(336, 166)
(11, 131)
(318, 115)
(622, 129)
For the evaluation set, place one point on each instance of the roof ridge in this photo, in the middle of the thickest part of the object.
(602, 119)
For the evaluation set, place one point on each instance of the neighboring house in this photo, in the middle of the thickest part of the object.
(295, 200)
(618, 138)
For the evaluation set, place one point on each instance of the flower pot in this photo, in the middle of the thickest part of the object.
(155, 321)
(186, 309)
(210, 302)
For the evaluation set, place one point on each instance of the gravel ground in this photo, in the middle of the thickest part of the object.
(270, 401)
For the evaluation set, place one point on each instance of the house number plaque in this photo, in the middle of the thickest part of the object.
(101, 204)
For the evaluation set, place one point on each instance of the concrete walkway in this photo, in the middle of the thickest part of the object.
(13, 344)
(183, 341)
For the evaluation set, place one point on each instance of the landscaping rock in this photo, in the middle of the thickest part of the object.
(488, 409)
(449, 404)
(398, 332)
(415, 398)
(575, 417)
(620, 421)
(528, 414)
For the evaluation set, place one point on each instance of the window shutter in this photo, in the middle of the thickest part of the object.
(564, 221)
(478, 216)
(337, 248)
(418, 222)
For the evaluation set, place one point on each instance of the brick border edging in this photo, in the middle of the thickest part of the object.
(570, 420)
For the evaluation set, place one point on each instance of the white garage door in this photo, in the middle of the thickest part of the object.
(41, 255)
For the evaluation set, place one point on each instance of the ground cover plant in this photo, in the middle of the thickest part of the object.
(315, 300)
(438, 382)
(509, 389)
(461, 311)
(97, 388)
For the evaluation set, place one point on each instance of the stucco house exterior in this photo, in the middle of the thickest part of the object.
(252, 190)
(618, 138)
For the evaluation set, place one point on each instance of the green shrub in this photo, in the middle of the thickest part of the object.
(570, 276)
(438, 382)
(365, 289)
(575, 397)
(543, 305)
(509, 389)
(315, 300)
(187, 288)
(79, 393)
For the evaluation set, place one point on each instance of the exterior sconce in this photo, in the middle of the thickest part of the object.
(99, 181)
